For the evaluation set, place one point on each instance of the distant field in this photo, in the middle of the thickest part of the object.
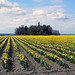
(37, 55)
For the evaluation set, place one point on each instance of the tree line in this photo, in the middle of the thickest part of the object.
(36, 30)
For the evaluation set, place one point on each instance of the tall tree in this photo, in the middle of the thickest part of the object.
(36, 30)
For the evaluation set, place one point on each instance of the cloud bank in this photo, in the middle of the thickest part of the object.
(12, 16)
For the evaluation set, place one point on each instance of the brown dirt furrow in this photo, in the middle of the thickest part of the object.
(13, 67)
(17, 67)
(51, 65)
(2, 71)
(37, 68)
(55, 69)
(69, 64)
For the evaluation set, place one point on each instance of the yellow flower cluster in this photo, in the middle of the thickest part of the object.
(20, 56)
(49, 55)
(62, 46)
(2, 39)
(34, 55)
(2, 44)
(4, 58)
(5, 54)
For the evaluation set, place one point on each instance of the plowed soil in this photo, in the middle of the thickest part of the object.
(34, 68)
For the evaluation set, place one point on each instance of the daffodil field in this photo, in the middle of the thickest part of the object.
(5, 55)
(58, 49)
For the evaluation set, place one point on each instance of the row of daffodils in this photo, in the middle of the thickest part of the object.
(3, 43)
(49, 55)
(5, 55)
(36, 57)
(2, 39)
(20, 56)
(56, 46)
(66, 54)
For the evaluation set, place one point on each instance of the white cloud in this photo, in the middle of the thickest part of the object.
(38, 12)
(13, 11)
(28, 17)
(20, 20)
(9, 8)
(18, 11)
(8, 13)
(53, 12)
(56, 15)
(5, 3)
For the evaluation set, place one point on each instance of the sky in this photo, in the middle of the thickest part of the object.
(59, 14)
